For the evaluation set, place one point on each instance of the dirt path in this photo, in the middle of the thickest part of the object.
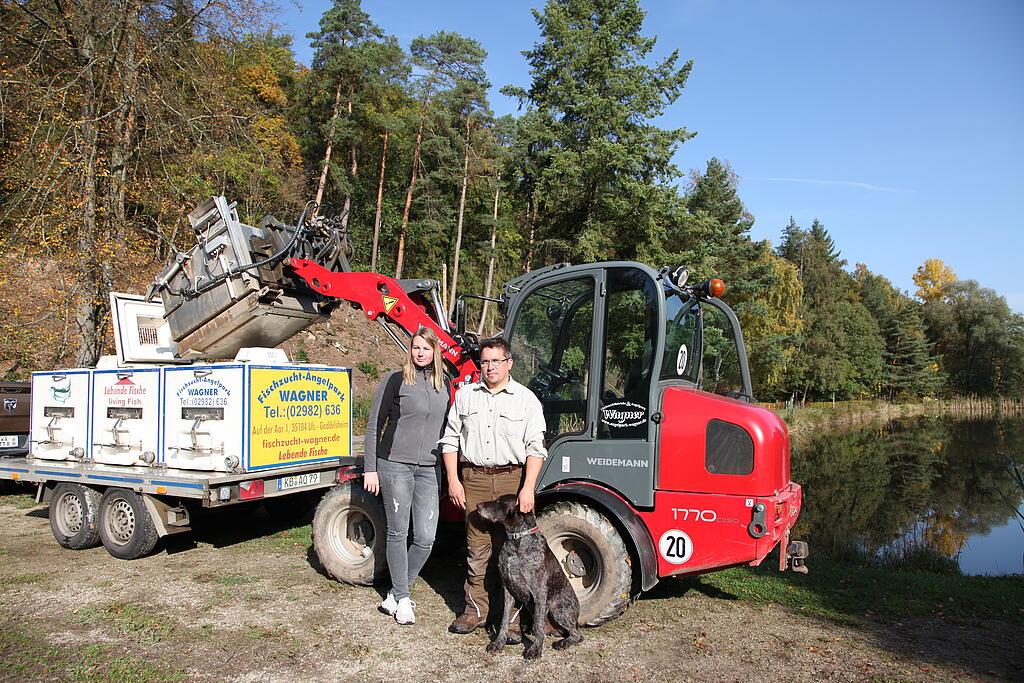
(244, 603)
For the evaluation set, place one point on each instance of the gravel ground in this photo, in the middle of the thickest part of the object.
(241, 599)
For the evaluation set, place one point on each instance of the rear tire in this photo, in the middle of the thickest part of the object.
(597, 562)
(349, 534)
(73, 510)
(126, 529)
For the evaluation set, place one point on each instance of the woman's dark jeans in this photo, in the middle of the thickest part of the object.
(408, 491)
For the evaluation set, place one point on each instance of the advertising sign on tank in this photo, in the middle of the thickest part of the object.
(298, 415)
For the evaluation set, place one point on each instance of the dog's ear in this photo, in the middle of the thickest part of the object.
(530, 519)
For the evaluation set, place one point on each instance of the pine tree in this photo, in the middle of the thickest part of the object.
(597, 173)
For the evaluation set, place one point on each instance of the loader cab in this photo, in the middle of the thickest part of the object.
(598, 344)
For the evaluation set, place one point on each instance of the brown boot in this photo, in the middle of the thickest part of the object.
(515, 631)
(467, 622)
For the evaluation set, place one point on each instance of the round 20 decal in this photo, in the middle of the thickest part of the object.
(675, 546)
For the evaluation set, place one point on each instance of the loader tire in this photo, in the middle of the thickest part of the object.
(349, 534)
(73, 510)
(597, 562)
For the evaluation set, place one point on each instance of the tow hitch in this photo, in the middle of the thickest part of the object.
(796, 553)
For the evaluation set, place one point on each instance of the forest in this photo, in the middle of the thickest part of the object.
(119, 116)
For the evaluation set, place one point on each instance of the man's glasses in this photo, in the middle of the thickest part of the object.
(485, 363)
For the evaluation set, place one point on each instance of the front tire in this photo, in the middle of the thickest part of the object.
(73, 509)
(349, 534)
(126, 529)
(597, 562)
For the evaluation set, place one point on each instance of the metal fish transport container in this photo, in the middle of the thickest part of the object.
(59, 423)
(230, 291)
(233, 417)
(125, 416)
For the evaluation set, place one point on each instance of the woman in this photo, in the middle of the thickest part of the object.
(401, 463)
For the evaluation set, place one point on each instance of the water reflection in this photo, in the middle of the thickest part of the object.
(914, 493)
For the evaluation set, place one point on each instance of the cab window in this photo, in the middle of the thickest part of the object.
(720, 366)
(551, 344)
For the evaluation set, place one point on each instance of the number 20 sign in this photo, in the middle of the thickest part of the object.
(675, 546)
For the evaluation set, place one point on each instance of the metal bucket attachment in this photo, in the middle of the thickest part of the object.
(231, 291)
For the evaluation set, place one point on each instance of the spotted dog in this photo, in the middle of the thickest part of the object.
(531, 574)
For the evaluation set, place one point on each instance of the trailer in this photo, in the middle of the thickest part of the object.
(128, 508)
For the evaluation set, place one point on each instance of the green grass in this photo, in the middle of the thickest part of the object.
(21, 501)
(27, 656)
(31, 578)
(369, 368)
(137, 621)
(225, 579)
(289, 540)
(850, 593)
(360, 413)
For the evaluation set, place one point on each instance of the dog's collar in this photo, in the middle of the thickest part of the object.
(519, 534)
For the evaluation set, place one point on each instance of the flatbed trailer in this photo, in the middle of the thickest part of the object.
(127, 508)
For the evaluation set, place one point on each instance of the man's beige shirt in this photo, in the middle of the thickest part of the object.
(495, 429)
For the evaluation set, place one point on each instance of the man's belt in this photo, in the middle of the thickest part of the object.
(500, 469)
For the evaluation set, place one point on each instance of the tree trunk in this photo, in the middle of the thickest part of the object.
(462, 213)
(490, 265)
(330, 147)
(408, 201)
(532, 215)
(91, 308)
(444, 282)
(353, 168)
(380, 202)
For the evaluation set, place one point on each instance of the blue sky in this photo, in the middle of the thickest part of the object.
(900, 125)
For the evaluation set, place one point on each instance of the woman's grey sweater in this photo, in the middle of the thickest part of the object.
(405, 421)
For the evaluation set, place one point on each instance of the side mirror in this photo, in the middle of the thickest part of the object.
(460, 316)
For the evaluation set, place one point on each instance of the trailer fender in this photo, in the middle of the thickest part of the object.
(622, 513)
(167, 519)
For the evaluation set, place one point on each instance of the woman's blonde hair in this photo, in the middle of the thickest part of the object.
(436, 368)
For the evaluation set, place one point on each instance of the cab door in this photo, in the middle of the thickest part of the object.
(586, 343)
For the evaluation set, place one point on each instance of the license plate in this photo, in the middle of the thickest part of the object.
(297, 481)
(9, 441)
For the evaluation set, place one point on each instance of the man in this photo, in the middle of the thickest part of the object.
(498, 425)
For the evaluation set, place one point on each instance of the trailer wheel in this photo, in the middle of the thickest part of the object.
(126, 529)
(349, 534)
(591, 551)
(73, 510)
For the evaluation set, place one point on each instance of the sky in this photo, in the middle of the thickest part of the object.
(899, 125)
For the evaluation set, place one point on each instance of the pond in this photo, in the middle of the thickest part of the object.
(927, 493)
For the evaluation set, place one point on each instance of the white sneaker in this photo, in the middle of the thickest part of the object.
(404, 614)
(390, 605)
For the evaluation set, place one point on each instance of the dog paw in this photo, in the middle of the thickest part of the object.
(494, 648)
(565, 643)
(532, 652)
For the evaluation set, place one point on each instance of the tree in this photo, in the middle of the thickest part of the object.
(910, 369)
(444, 60)
(597, 173)
(932, 278)
(111, 99)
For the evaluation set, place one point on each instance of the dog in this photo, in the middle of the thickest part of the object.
(531, 574)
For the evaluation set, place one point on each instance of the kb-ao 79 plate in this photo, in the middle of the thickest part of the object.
(298, 481)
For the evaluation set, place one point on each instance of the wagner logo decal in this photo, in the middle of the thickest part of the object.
(623, 414)
(10, 403)
(203, 391)
(675, 546)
